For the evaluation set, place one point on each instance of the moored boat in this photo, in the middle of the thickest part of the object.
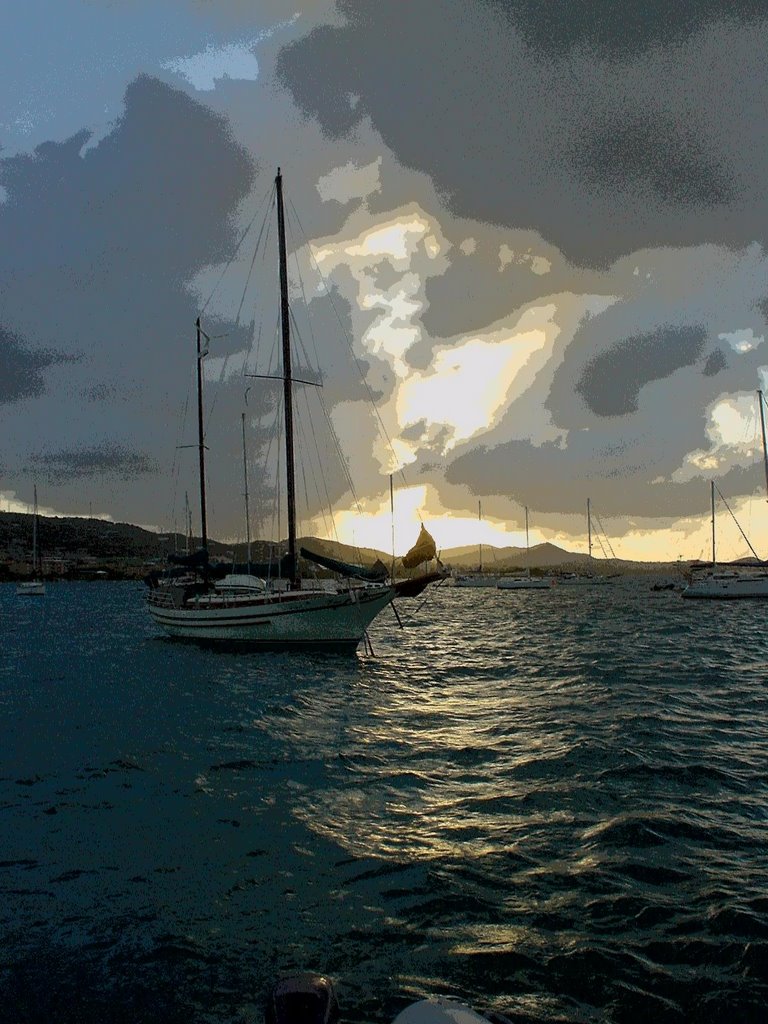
(34, 587)
(279, 610)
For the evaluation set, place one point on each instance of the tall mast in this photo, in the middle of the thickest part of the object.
(712, 493)
(760, 402)
(247, 514)
(187, 524)
(527, 552)
(589, 528)
(290, 472)
(480, 519)
(34, 532)
(392, 512)
(201, 438)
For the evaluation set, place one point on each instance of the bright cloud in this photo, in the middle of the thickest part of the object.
(214, 63)
(538, 265)
(467, 385)
(732, 428)
(350, 182)
(371, 526)
(742, 341)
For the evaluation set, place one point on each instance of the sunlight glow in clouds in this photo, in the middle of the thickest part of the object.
(350, 182)
(468, 384)
(732, 428)
(373, 528)
(410, 244)
(742, 341)
(397, 241)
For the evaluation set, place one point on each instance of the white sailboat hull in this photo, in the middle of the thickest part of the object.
(582, 581)
(524, 583)
(294, 619)
(727, 586)
(475, 581)
(30, 588)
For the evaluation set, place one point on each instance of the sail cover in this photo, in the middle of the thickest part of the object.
(373, 574)
(422, 551)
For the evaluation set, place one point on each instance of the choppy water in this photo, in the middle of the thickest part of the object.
(554, 805)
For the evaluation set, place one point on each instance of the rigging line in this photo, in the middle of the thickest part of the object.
(237, 249)
(746, 538)
(429, 597)
(329, 504)
(302, 467)
(250, 350)
(296, 335)
(253, 262)
(278, 489)
(303, 292)
(304, 447)
(605, 535)
(340, 455)
(346, 337)
(270, 222)
(176, 462)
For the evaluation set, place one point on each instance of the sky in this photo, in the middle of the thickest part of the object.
(527, 263)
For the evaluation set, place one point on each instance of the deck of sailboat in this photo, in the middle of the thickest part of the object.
(289, 619)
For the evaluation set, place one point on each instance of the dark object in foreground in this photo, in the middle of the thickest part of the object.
(303, 999)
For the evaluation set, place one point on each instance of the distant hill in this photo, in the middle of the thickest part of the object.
(543, 556)
(68, 545)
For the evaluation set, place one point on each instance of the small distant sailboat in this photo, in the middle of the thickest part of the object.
(526, 582)
(579, 579)
(480, 578)
(34, 587)
(729, 584)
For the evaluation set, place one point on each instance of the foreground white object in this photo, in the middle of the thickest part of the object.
(439, 1011)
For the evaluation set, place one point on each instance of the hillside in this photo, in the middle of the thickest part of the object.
(71, 546)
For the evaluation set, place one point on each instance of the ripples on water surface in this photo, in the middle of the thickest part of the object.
(549, 804)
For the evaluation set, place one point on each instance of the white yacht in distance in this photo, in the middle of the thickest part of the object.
(586, 579)
(479, 578)
(34, 587)
(727, 584)
(526, 582)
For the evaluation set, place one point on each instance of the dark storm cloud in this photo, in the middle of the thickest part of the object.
(99, 246)
(625, 27)
(99, 460)
(21, 369)
(556, 478)
(610, 382)
(661, 157)
(716, 362)
(602, 148)
(105, 233)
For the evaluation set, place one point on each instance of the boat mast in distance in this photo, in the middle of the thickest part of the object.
(290, 470)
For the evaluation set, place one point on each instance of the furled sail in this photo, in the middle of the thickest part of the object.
(373, 574)
(422, 551)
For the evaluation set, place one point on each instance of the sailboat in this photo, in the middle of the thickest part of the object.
(732, 583)
(726, 583)
(526, 582)
(478, 579)
(34, 587)
(245, 610)
(579, 579)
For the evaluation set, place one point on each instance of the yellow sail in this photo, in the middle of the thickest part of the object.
(424, 549)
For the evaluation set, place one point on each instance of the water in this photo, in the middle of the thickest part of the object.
(554, 805)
